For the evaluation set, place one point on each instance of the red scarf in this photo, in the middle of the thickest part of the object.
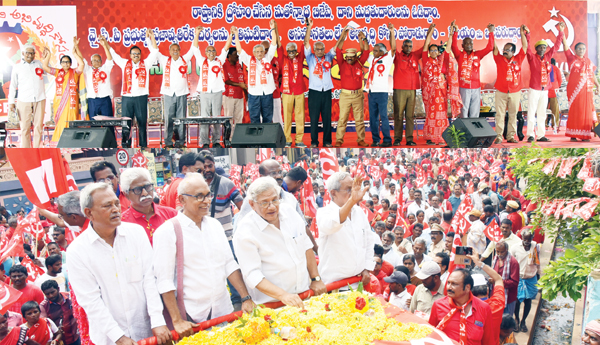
(546, 67)
(467, 66)
(321, 66)
(97, 77)
(513, 72)
(231, 90)
(463, 318)
(286, 74)
(16, 336)
(140, 75)
(39, 332)
(374, 66)
(182, 69)
(266, 68)
(70, 88)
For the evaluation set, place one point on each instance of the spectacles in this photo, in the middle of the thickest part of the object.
(266, 204)
(66, 61)
(275, 173)
(135, 54)
(292, 51)
(107, 179)
(211, 51)
(200, 197)
(138, 190)
(29, 53)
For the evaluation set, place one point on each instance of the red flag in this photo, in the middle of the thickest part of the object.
(33, 270)
(313, 228)
(549, 168)
(139, 160)
(264, 154)
(41, 173)
(329, 163)
(70, 179)
(461, 172)
(285, 167)
(460, 221)
(587, 210)
(8, 297)
(308, 197)
(360, 171)
(493, 232)
(15, 245)
(421, 180)
(375, 173)
(457, 242)
(592, 185)
(586, 169)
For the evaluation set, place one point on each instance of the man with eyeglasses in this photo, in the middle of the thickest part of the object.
(190, 162)
(196, 241)
(276, 255)
(97, 79)
(346, 244)
(175, 89)
(136, 79)
(104, 171)
(28, 77)
(210, 86)
(136, 184)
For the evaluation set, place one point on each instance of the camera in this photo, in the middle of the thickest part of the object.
(464, 251)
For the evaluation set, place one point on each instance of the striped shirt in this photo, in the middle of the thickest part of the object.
(223, 197)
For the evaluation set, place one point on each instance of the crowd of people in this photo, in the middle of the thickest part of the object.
(141, 263)
(273, 85)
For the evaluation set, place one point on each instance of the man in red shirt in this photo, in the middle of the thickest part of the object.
(508, 87)
(189, 162)
(104, 171)
(512, 207)
(510, 193)
(539, 83)
(507, 266)
(30, 292)
(460, 313)
(136, 184)
(292, 85)
(406, 83)
(469, 62)
(233, 100)
(351, 95)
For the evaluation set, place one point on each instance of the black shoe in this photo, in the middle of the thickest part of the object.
(523, 327)
(544, 139)
(517, 329)
(429, 142)
(301, 145)
(396, 142)
(411, 143)
(313, 146)
(168, 146)
(205, 146)
(530, 139)
(386, 144)
(328, 145)
(217, 145)
(375, 145)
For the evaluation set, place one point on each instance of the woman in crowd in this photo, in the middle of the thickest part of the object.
(580, 93)
(66, 105)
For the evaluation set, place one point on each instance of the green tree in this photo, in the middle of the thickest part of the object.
(568, 274)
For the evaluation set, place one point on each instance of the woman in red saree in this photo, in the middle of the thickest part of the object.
(65, 106)
(580, 93)
(12, 335)
(440, 83)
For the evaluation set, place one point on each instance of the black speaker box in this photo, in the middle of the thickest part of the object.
(258, 135)
(93, 137)
(597, 130)
(478, 133)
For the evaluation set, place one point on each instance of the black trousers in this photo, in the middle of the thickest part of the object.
(319, 105)
(135, 107)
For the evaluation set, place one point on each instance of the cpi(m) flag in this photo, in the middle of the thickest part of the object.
(33, 270)
(493, 231)
(308, 197)
(460, 221)
(42, 174)
(8, 296)
(329, 163)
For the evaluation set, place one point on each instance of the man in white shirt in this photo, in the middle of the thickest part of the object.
(387, 239)
(377, 85)
(273, 249)
(398, 293)
(476, 238)
(175, 89)
(211, 86)
(28, 77)
(97, 81)
(478, 196)
(346, 245)
(53, 265)
(260, 77)
(110, 270)
(418, 204)
(136, 79)
(206, 256)
(434, 207)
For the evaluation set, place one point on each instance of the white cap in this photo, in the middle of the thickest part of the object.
(429, 268)
(479, 280)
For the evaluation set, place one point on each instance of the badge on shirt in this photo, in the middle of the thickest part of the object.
(479, 323)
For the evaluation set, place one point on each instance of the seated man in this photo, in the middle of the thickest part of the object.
(273, 250)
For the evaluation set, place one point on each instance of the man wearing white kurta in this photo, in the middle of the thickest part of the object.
(28, 77)
(97, 81)
(345, 241)
(175, 89)
(211, 87)
(207, 261)
(136, 79)
(110, 270)
(273, 249)
(377, 85)
(260, 78)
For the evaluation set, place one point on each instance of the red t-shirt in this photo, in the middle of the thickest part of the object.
(557, 82)
(406, 70)
(517, 221)
(170, 199)
(235, 74)
(351, 76)
(298, 87)
(479, 54)
(123, 201)
(382, 282)
(161, 215)
(496, 303)
(387, 268)
(535, 63)
(276, 75)
(479, 325)
(29, 293)
(502, 64)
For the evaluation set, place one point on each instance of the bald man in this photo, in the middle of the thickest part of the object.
(97, 80)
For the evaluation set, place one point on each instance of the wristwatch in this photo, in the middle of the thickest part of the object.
(481, 265)
(247, 298)
(316, 279)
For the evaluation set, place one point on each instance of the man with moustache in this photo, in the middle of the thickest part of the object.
(508, 86)
(121, 298)
(427, 293)
(137, 185)
(189, 162)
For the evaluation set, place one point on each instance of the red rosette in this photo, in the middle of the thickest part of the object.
(268, 67)
(39, 72)
(102, 76)
(182, 70)
(380, 68)
(216, 69)
(327, 65)
(139, 71)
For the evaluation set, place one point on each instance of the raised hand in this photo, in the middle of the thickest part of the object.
(272, 24)
(102, 41)
(561, 26)
(526, 29)
(357, 191)
(361, 35)
(234, 30)
(309, 22)
(390, 26)
(75, 41)
(491, 27)
(46, 54)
